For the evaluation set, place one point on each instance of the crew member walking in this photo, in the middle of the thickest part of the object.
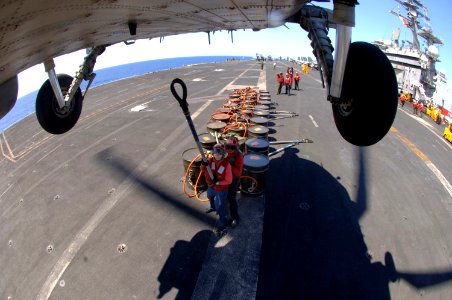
(217, 190)
(235, 157)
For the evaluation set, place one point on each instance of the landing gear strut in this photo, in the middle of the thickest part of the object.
(60, 99)
(53, 118)
(362, 86)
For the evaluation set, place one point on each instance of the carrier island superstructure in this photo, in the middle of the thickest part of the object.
(414, 61)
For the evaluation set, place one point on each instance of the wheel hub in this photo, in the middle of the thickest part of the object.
(345, 108)
(64, 111)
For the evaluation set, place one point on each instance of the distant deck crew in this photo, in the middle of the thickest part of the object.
(279, 81)
(288, 83)
(297, 80)
(402, 99)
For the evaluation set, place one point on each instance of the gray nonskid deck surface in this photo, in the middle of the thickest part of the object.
(99, 212)
(231, 266)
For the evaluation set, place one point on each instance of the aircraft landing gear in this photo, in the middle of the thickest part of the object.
(53, 118)
(60, 99)
(368, 103)
(362, 86)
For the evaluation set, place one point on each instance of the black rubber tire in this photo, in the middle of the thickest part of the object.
(51, 118)
(370, 89)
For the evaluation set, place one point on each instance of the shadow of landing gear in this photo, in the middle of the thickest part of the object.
(313, 241)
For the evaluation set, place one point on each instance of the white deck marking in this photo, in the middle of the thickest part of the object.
(441, 179)
(425, 159)
(428, 126)
(7, 189)
(81, 237)
(229, 85)
(262, 81)
(138, 108)
(313, 121)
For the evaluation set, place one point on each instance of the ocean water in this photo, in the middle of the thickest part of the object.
(26, 104)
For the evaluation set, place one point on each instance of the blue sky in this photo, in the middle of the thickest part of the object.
(373, 21)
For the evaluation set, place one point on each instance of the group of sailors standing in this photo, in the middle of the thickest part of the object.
(287, 80)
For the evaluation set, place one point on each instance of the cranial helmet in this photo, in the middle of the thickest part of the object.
(231, 143)
(218, 149)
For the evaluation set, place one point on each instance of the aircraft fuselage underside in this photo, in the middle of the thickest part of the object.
(67, 27)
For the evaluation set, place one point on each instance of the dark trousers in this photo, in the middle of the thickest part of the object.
(296, 85)
(288, 89)
(232, 198)
(279, 87)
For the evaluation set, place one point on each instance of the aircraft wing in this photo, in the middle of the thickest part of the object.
(32, 31)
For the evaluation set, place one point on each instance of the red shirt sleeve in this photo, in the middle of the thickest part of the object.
(238, 165)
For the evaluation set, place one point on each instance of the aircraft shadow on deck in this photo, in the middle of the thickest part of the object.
(182, 267)
(313, 241)
(125, 170)
(311, 238)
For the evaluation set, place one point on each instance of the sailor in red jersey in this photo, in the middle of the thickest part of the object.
(288, 83)
(235, 157)
(297, 80)
(217, 191)
(280, 81)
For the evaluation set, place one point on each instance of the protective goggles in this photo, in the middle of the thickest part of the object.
(218, 151)
(230, 147)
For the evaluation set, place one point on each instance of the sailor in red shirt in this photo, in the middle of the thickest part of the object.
(280, 81)
(297, 80)
(235, 157)
(288, 83)
(217, 191)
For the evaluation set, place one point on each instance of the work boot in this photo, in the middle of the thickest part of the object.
(220, 231)
(209, 210)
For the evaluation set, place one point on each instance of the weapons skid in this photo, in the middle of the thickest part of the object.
(303, 141)
(282, 114)
(293, 143)
(283, 117)
(276, 112)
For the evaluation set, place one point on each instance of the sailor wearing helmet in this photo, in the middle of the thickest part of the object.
(217, 190)
(235, 157)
